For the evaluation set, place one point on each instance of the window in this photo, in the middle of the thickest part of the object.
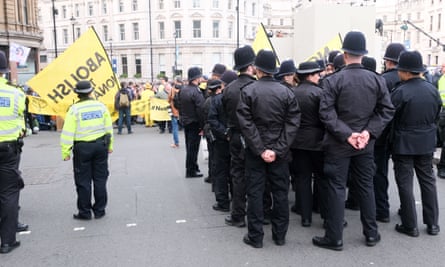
(429, 59)
(162, 63)
(121, 6)
(177, 3)
(253, 9)
(138, 63)
(245, 31)
(196, 29)
(418, 15)
(77, 32)
(161, 30)
(124, 61)
(215, 32)
(135, 5)
(122, 32)
(215, 4)
(65, 36)
(417, 37)
(90, 9)
(196, 3)
(385, 18)
(63, 11)
(104, 7)
(136, 31)
(230, 32)
(25, 12)
(178, 28)
(430, 44)
(105, 32)
(281, 22)
(431, 23)
(439, 18)
(76, 10)
(229, 4)
(436, 60)
(161, 4)
(197, 59)
(216, 57)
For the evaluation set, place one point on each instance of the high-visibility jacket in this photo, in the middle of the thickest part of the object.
(441, 87)
(12, 108)
(86, 120)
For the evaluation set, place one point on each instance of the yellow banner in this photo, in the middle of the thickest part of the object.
(140, 107)
(333, 44)
(86, 59)
(159, 109)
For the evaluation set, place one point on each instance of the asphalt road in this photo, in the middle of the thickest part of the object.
(156, 217)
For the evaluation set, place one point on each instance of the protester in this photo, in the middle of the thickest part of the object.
(12, 127)
(88, 134)
(174, 93)
(122, 103)
(413, 142)
(354, 116)
(163, 92)
(269, 117)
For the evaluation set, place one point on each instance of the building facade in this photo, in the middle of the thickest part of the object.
(145, 39)
(19, 25)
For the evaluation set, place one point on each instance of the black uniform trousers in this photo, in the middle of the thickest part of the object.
(10, 185)
(90, 162)
(305, 165)
(381, 184)
(403, 169)
(221, 172)
(192, 141)
(277, 174)
(237, 167)
(361, 168)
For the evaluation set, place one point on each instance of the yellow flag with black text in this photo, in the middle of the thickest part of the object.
(322, 53)
(85, 59)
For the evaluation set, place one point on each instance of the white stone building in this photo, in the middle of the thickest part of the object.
(140, 35)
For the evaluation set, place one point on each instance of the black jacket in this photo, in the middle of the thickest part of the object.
(231, 96)
(354, 99)
(418, 106)
(217, 118)
(191, 102)
(269, 116)
(311, 131)
(392, 79)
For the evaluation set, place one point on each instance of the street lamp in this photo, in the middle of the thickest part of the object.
(54, 27)
(73, 21)
(175, 35)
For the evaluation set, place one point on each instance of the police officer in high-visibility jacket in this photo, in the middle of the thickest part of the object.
(88, 132)
(12, 124)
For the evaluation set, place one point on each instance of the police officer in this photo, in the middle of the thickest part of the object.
(269, 117)
(355, 107)
(413, 141)
(244, 58)
(192, 103)
(12, 124)
(88, 133)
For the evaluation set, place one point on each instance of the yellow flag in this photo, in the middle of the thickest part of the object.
(262, 41)
(37, 105)
(140, 107)
(322, 53)
(159, 109)
(86, 59)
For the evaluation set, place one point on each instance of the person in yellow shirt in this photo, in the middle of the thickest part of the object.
(12, 125)
(146, 95)
(88, 134)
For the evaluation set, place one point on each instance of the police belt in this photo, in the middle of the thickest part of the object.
(102, 138)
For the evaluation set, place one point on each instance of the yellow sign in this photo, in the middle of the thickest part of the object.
(86, 59)
(333, 44)
(159, 109)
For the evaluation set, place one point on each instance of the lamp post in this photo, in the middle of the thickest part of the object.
(73, 21)
(54, 28)
(175, 35)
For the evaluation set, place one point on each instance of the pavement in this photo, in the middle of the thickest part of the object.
(157, 217)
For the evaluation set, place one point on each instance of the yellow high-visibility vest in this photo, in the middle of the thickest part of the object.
(12, 108)
(87, 120)
(441, 87)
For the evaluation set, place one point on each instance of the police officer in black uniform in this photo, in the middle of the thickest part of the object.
(190, 114)
(269, 117)
(413, 142)
(244, 59)
(307, 152)
(355, 107)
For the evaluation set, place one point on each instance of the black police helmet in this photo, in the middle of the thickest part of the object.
(194, 73)
(287, 67)
(411, 61)
(3, 63)
(83, 87)
(309, 67)
(244, 56)
(393, 51)
(266, 61)
(219, 69)
(355, 43)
